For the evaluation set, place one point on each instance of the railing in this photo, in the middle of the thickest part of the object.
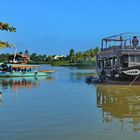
(121, 48)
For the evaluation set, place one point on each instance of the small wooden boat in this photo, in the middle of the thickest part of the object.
(20, 70)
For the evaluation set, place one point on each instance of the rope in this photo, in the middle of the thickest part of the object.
(134, 80)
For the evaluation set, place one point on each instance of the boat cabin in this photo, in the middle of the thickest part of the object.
(18, 58)
(119, 52)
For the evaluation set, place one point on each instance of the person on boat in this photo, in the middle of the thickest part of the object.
(5, 68)
(113, 72)
(24, 69)
(29, 70)
(135, 41)
(121, 40)
(19, 69)
(10, 68)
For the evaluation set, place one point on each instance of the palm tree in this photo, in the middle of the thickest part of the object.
(96, 50)
(72, 55)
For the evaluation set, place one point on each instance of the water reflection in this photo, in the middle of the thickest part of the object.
(119, 102)
(15, 83)
(81, 75)
(18, 83)
(0, 97)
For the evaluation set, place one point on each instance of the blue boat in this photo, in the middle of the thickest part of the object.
(20, 70)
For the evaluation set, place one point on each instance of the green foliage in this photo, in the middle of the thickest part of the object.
(4, 57)
(72, 53)
(78, 58)
(4, 44)
(37, 59)
(6, 27)
(59, 63)
(82, 56)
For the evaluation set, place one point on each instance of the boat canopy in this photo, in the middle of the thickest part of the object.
(123, 39)
(23, 66)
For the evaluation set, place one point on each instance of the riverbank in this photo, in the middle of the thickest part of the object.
(74, 64)
(67, 64)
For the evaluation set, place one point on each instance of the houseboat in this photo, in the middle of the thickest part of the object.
(119, 58)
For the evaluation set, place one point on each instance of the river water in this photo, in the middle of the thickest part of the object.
(64, 107)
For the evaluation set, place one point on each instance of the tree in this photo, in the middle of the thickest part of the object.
(6, 27)
(79, 56)
(72, 55)
(26, 52)
(96, 50)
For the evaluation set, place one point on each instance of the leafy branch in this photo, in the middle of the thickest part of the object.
(5, 45)
(7, 27)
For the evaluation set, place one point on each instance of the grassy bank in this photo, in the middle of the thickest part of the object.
(74, 64)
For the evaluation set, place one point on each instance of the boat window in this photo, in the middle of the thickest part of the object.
(114, 61)
(125, 59)
(102, 63)
(137, 59)
(109, 62)
(132, 58)
(98, 64)
(105, 64)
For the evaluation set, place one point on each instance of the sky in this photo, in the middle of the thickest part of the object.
(55, 26)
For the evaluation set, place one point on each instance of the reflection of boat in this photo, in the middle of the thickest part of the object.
(119, 101)
(16, 83)
(20, 70)
(119, 59)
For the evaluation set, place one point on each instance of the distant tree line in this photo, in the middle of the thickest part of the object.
(86, 57)
(82, 56)
(75, 58)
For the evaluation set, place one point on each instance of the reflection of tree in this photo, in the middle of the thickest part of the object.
(119, 102)
(81, 75)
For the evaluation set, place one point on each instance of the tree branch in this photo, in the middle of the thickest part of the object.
(7, 27)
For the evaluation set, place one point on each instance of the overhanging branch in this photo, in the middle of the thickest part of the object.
(7, 27)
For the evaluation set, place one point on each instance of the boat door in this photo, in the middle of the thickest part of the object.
(124, 61)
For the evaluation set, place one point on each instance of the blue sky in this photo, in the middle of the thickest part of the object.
(56, 26)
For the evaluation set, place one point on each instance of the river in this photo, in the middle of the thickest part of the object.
(63, 107)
